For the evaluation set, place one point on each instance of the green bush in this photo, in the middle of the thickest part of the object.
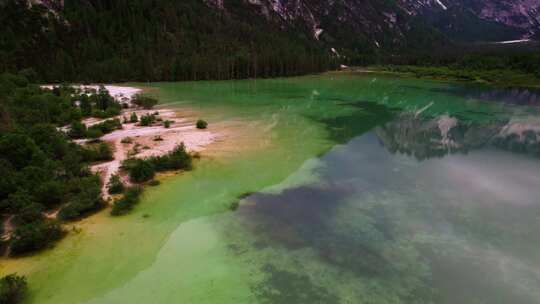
(28, 214)
(115, 185)
(34, 236)
(50, 193)
(108, 125)
(154, 183)
(139, 170)
(126, 140)
(167, 124)
(133, 118)
(77, 130)
(178, 159)
(147, 120)
(201, 124)
(94, 133)
(86, 198)
(13, 289)
(98, 130)
(126, 203)
(144, 101)
(98, 152)
(143, 170)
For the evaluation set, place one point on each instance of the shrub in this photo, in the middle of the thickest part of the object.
(126, 140)
(140, 171)
(143, 170)
(94, 133)
(97, 130)
(113, 111)
(115, 185)
(86, 198)
(109, 125)
(154, 183)
(144, 101)
(201, 124)
(29, 214)
(77, 130)
(147, 120)
(98, 152)
(178, 159)
(167, 124)
(133, 118)
(13, 289)
(34, 236)
(126, 203)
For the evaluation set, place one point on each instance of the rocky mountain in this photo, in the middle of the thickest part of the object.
(394, 23)
(480, 20)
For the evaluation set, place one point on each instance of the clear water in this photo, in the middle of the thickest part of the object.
(351, 189)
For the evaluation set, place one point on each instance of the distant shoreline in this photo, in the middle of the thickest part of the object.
(499, 78)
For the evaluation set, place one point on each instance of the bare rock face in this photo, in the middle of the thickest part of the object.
(394, 24)
(362, 26)
(521, 17)
(523, 14)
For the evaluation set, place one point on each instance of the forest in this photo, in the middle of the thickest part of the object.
(43, 171)
(157, 40)
(143, 40)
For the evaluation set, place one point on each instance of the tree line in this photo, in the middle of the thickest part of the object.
(150, 40)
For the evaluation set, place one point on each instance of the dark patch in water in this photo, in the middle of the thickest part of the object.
(303, 217)
(284, 287)
(367, 116)
(245, 195)
(295, 216)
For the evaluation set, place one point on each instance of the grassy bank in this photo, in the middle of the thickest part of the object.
(498, 77)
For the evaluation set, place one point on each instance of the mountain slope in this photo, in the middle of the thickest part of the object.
(99, 40)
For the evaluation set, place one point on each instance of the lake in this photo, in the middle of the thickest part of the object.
(336, 188)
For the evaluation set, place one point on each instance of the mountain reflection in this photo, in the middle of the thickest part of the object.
(425, 138)
(515, 96)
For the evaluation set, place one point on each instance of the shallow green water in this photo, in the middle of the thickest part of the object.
(352, 189)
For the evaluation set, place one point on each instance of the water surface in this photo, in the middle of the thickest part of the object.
(351, 189)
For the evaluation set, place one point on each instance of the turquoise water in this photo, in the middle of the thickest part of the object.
(351, 189)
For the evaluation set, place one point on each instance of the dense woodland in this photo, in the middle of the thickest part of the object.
(43, 171)
(149, 40)
(524, 58)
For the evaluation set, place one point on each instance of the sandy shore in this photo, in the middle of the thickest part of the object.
(154, 140)
(120, 93)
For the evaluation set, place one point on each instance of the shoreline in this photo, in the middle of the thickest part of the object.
(144, 141)
(518, 80)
